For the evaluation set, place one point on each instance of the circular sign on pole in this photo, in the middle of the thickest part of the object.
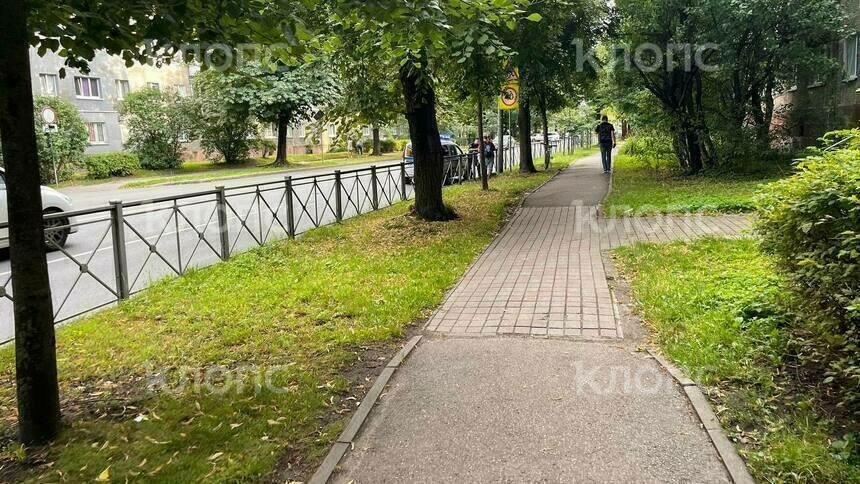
(510, 97)
(49, 116)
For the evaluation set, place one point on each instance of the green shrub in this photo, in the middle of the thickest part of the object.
(67, 144)
(265, 147)
(156, 121)
(811, 223)
(115, 163)
(388, 145)
(400, 144)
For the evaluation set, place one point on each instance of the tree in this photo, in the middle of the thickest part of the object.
(413, 38)
(156, 121)
(67, 144)
(369, 96)
(77, 28)
(221, 115)
(550, 57)
(478, 59)
(284, 95)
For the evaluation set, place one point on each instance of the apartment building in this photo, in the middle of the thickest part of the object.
(97, 93)
(818, 102)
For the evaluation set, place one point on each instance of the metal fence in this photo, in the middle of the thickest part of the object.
(120, 249)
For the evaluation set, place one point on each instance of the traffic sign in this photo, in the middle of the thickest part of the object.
(49, 116)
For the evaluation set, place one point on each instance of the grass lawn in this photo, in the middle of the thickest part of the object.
(714, 307)
(248, 370)
(639, 188)
(208, 171)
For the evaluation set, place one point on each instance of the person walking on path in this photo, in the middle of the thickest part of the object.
(606, 137)
(359, 147)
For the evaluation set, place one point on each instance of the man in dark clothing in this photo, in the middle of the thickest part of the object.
(490, 154)
(606, 137)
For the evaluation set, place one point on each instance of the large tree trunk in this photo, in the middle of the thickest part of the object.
(377, 150)
(524, 119)
(35, 349)
(281, 156)
(420, 103)
(482, 157)
(547, 155)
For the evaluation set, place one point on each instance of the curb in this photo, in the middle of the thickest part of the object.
(346, 439)
(735, 465)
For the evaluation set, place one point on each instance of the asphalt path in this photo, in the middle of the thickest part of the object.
(166, 239)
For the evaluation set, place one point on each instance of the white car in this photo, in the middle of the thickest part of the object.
(52, 202)
(553, 138)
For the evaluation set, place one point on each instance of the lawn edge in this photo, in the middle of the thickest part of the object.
(346, 439)
(733, 462)
(728, 454)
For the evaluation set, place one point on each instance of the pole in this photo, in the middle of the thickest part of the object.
(53, 158)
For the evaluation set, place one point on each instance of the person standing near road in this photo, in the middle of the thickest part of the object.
(359, 147)
(490, 154)
(606, 138)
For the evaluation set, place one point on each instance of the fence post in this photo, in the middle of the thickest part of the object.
(291, 219)
(338, 201)
(120, 258)
(403, 181)
(221, 203)
(374, 188)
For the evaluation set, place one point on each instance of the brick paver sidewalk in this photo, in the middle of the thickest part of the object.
(544, 274)
(586, 405)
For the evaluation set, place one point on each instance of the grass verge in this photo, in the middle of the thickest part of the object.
(714, 306)
(207, 171)
(247, 370)
(640, 187)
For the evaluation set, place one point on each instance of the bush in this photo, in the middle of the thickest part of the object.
(116, 163)
(388, 145)
(265, 147)
(222, 119)
(400, 144)
(811, 223)
(156, 121)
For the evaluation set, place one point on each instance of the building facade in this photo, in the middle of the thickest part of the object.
(97, 93)
(818, 102)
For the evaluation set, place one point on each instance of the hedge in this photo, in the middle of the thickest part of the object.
(116, 163)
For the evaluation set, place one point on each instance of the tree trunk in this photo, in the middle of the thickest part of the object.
(694, 150)
(524, 119)
(482, 156)
(35, 348)
(377, 150)
(547, 156)
(281, 157)
(420, 104)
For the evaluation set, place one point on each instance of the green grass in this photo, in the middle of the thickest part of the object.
(640, 187)
(313, 314)
(717, 309)
(207, 171)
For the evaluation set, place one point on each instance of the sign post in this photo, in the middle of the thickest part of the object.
(49, 125)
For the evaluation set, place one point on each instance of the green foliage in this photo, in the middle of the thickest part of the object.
(721, 310)
(656, 147)
(156, 121)
(106, 165)
(264, 146)
(67, 144)
(221, 117)
(811, 223)
(388, 145)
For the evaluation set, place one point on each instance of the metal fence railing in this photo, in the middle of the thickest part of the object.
(120, 249)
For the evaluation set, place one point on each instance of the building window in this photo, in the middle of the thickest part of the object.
(332, 131)
(96, 132)
(182, 90)
(849, 57)
(271, 130)
(153, 85)
(50, 84)
(122, 88)
(296, 131)
(88, 87)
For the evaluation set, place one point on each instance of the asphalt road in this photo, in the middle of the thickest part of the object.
(163, 239)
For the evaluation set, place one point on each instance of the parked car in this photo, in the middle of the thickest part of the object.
(52, 202)
(553, 138)
(449, 148)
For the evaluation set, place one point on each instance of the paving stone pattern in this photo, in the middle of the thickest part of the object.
(544, 274)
